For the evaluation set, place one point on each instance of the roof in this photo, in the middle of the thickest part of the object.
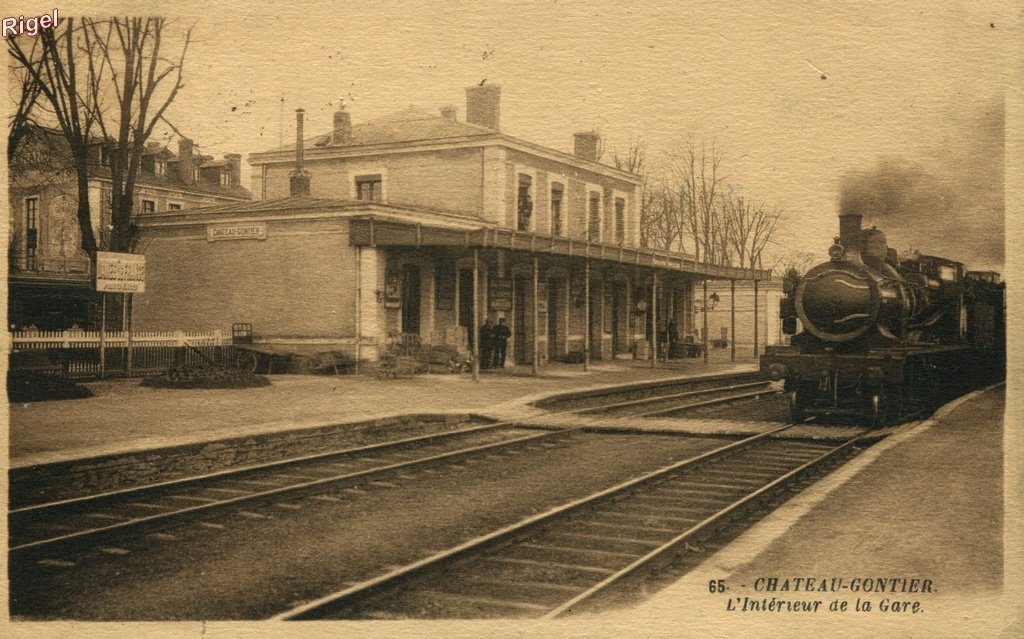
(408, 125)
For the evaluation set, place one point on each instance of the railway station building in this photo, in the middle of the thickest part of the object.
(422, 224)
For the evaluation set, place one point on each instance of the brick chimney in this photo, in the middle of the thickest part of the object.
(448, 112)
(483, 105)
(186, 161)
(234, 167)
(586, 145)
(299, 181)
(342, 125)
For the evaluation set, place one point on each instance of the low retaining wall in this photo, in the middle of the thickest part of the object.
(77, 478)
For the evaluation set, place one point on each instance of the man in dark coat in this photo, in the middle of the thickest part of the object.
(486, 343)
(499, 337)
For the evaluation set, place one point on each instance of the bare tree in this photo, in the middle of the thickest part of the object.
(27, 95)
(113, 77)
(143, 81)
(749, 227)
(53, 64)
(697, 169)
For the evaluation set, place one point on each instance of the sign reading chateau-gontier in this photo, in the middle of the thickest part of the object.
(254, 231)
(120, 272)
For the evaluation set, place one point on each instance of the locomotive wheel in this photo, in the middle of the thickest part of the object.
(247, 361)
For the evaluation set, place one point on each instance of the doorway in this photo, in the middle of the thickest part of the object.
(466, 301)
(553, 289)
(519, 321)
(411, 299)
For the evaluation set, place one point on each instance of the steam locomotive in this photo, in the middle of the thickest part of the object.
(882, 337)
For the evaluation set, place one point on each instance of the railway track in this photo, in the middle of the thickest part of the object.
(49, 526)
(564, 560)
(96, 517)
(670, 404)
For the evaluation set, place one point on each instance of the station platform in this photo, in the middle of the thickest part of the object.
(921, 511)
(126, 417)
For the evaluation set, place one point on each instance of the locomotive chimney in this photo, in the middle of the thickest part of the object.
(299, 182)
(849, 231)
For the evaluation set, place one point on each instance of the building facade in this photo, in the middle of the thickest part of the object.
(421, 224)
(49, 275)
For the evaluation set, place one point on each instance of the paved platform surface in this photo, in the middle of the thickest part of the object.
(926, 504)
(124, 416)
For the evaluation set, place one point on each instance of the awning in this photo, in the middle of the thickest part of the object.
(372, 231)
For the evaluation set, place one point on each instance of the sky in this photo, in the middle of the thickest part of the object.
(799, 95)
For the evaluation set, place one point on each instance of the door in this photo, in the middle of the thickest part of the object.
(411, 299)
(618, 343)
(553, 320)
(466, 300)
(519, 321)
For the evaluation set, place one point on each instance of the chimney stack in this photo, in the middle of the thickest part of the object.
(849, 231)
(299, 178)
(342, 125)
(586, 145)
(448, 112)
(234, 167)
(483, 105)
(186, 161)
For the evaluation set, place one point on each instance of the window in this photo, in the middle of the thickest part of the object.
(556, 209)
(524, 203)
(31, 231)
(173, 206)
(148, 206)
(160, 168)
(104, 155)
(620, 220)
(225, 178)
(369, 188)
(594, 219)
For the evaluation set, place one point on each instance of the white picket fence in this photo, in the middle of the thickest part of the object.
(79, 351)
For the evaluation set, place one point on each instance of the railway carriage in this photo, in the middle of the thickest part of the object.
(876, 337)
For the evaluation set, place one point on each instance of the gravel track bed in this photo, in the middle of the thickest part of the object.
(261, 559)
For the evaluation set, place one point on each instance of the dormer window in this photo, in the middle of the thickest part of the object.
(225, 178)
(104, 155)
(160, 167)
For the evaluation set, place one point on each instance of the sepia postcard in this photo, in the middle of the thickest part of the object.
(512, 319)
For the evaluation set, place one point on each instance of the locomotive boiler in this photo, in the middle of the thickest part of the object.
(875, 337)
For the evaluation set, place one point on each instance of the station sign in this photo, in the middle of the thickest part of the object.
(501, 295)
(252, 231)
(120, 272)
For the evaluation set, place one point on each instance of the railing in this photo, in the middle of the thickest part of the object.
(152, 351)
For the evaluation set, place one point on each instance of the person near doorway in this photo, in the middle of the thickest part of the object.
(673, 338)
(486, 343)
(499, 339)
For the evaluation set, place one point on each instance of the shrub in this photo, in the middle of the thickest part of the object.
(24, 386)
(205, 377)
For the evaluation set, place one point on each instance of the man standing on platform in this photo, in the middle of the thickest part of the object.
(486, 343)
(499, 337)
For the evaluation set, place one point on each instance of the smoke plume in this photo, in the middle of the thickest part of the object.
(949, 203)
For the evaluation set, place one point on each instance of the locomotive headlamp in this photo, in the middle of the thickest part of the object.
(836, 251)
(874, 374)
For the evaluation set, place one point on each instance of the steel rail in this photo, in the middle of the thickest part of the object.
(196, 481)
(354, 592)
(658, 398)
(291, 488)
(697, 528)
(708, 402)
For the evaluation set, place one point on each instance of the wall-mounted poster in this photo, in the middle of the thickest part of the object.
(393, 290)
(501, 295)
